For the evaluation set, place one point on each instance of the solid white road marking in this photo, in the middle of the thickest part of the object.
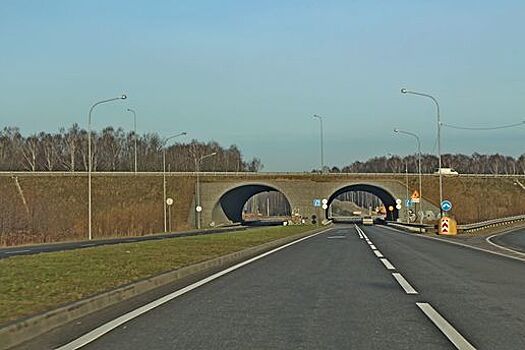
(358, 231)
(336, 237)
(105, 328)
(373, 247)
(387, 264)
(453, 242)
(489, 240)
(378, 254)
(404, 283)
(18, 251)
(448, 330)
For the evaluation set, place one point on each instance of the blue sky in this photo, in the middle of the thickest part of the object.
(253, 73)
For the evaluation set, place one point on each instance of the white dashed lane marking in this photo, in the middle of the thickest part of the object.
(387, 264)
(404, 283)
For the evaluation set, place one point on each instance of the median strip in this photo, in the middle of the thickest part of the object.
(105, 328)
(88, 279)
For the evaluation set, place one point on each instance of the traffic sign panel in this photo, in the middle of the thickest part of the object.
(399, 201)
(317, 202)
(446, 205)
(415, 197)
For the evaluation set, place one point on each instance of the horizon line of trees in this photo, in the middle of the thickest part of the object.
(476, 163)
(113, 150)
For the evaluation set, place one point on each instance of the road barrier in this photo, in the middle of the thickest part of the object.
(490, 223)
(465, 228)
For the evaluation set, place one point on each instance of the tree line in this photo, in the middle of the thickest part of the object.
(113, 150)
(462, 163)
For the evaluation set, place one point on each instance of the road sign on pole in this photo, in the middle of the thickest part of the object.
(317, 202)
(446, 205)
(415, 197)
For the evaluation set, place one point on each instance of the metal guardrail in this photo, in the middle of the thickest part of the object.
(465, 228)
(490, 223)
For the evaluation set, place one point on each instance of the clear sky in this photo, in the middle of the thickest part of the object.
(253, 73)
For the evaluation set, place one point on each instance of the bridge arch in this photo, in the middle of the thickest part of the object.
(232, 201)
(384, 195)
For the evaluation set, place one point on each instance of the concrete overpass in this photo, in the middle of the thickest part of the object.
(223, 197)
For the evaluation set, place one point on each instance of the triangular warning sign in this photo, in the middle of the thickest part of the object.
(415, 195)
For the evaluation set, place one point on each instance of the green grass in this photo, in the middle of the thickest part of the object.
(35, 283)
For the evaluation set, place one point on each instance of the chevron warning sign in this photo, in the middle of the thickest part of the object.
(447, 226)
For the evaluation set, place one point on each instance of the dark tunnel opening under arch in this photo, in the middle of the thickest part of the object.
(385, 197)
(233, 201)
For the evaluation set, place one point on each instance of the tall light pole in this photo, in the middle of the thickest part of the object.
(322, 143)
(164, 174)
(198, 207)
(122, 97)
(405, 91)
(134, 134)
(398, 131)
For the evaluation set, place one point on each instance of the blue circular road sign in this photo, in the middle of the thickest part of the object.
(446, 205)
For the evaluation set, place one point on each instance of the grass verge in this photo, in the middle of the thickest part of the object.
(36, 283)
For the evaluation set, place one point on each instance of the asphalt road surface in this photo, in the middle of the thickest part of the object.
(56, 247)
(513, 240)
(341, 289)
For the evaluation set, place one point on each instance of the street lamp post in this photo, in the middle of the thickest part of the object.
(135, 135)
(164, 174)
(322, 143)
(405, 91)
(198, 207)
(122, 97)
(398, 131)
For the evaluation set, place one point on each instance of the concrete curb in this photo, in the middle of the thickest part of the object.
(25, 329)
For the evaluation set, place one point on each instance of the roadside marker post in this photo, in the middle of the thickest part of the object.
(447, 226)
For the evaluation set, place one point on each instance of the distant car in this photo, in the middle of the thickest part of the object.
(446, 171)
(368, 220)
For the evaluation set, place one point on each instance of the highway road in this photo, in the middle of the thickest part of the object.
(368, 288)
(56, 247)
(513, 240)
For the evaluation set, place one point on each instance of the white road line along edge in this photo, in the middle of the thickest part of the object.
(404, 283)
(455, 243)
(446, 328)
(489, 240)
(107, 327)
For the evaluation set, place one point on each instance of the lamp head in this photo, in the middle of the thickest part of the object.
(403, 91)
(184, 133)
(123, 97)
(396, 130)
